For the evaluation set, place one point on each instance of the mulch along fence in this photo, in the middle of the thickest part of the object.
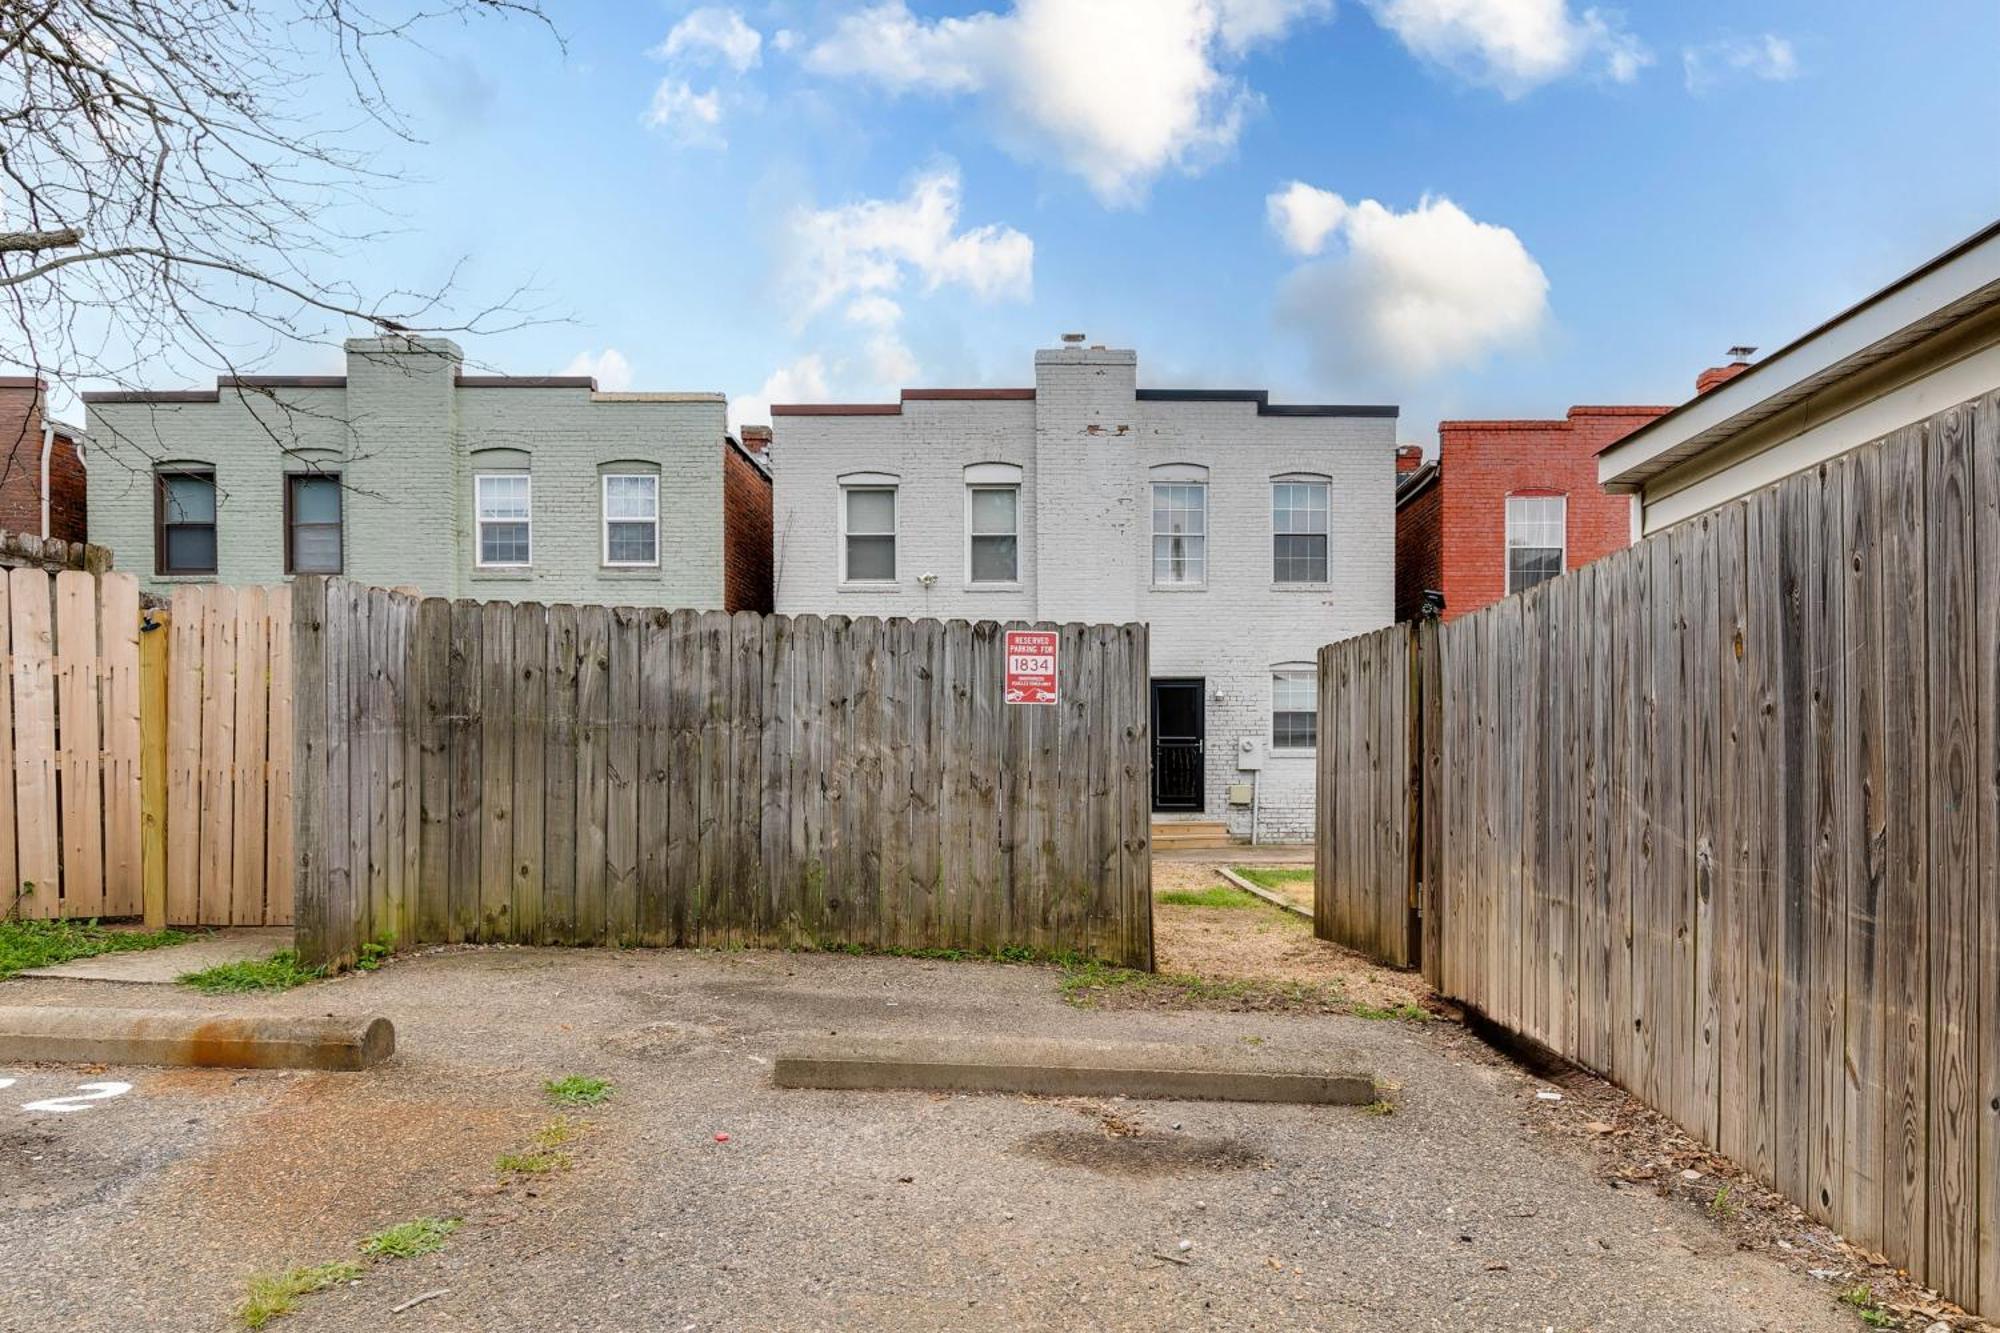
(145, 755)
(593, 775)
(1719, 818)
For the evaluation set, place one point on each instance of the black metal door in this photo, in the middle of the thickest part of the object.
(1178, 748)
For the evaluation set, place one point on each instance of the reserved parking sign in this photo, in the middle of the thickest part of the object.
(1031, 666)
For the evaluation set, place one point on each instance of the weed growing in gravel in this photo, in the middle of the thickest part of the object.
(1722, 1205)
(559, 1131)
(272, 1295)
(1382, 1106)
(26, 944)
(1409, 1013)
(533, 1163)
(1215, 895)
(1862, 1297)
(407, 1240)
(578, 1090)
(281, 971)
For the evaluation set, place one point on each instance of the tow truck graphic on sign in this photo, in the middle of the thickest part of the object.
(1031, 666)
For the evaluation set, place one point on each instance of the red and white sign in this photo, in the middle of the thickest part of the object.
(1031, 666)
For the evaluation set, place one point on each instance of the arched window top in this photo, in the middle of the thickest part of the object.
(869, 479)
(993, 474)
(1184, 473)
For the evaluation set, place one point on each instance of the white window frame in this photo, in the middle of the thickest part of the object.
(1309, 673)
(479, 522)
(605, 520)
(1207, 533)
(972, 489)
(1325, 484)
(1562, 547)
(894, 533)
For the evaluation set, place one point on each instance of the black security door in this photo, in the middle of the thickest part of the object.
(1178, 717)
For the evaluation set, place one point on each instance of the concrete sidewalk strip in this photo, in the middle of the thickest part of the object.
(165, 965)
(1259, 891)
(66, 1034)
(1071, 1068)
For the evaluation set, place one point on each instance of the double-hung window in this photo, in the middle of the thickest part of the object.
(1537, 535)
(631, 519)
(868, 534)
(993, 534)
(1298, 531)
(1294, 709)
(184, 516)
(312, 523)
(1180, 533)
(504, 502)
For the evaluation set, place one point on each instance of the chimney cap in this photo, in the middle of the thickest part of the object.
(1740, 352)
(1074, 339)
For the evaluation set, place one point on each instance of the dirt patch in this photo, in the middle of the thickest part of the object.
(1264, 945)
(330, 1159)
(1140, 1155)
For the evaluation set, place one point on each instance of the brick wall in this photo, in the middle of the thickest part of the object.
(21, 467)
(1419, 544)
(407, 432)
(1483, 462)
(746, 531)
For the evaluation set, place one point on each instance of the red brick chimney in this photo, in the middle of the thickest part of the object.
(757, 439)
(1739, 361)
(1409, 457)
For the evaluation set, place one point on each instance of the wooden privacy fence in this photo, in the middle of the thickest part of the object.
(1364, 876)
(144, 756)
(592, 775)
(1719, 817)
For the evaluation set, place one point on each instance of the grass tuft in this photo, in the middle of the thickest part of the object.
(578, 1090)
(1216, 895)
(281, 971)
(533, 1163)
(1382, 1106)
(407, 1240)
(271, 1296)
(1408, 1013)
(559, 1131)
(26, 944)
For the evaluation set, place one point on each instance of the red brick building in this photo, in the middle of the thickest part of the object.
(746, 521)
(1507, 504)
(23, 444)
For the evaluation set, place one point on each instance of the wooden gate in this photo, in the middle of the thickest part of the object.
(145, 756)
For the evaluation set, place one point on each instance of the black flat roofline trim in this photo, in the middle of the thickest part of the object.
(1265, 407)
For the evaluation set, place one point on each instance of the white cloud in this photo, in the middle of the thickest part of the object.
(689, 116)
(803, 381)
(873, 247)
(1514, 46)
(712, 33)
(610, 368)
(1413, 293)
(1304, 216)
(1113, 91)
(1769, 57)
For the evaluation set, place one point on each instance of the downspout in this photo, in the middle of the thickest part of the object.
(48, 447)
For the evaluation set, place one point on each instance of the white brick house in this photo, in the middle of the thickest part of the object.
(1246, 533)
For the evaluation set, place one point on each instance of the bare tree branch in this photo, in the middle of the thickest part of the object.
(173, 200)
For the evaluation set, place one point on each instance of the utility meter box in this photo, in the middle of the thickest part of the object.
(1250, 754)
(1239, 793)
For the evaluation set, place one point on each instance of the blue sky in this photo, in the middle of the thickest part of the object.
(833, 199)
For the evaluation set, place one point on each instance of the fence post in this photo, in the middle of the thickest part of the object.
(1427, 825)
(313, 928)
(154, 641)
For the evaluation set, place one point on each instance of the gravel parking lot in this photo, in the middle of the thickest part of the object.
(150, 1208)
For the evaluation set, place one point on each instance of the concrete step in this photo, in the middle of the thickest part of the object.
(1193, 835)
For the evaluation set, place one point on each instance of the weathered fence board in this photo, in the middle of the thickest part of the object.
(614, 776)
(1719, 817)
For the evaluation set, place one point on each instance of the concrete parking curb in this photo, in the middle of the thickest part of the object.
(68, 1034)
(1068, 1069)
